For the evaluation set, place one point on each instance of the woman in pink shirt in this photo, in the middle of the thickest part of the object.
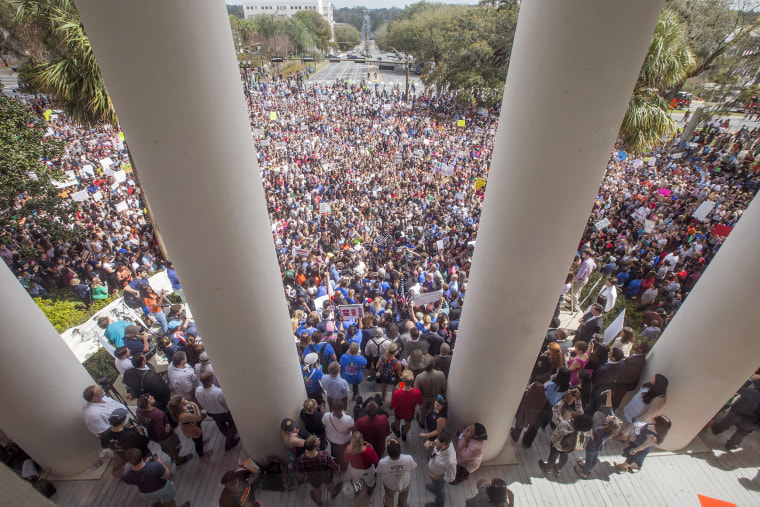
(470, 448)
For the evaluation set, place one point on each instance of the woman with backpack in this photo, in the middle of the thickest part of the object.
(312, 377)
(389, 369)
(323, 349)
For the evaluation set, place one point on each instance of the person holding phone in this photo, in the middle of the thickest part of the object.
(152, 478)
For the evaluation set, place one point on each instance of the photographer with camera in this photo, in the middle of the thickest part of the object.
(138, 345)
(570, 420)
(122, 436)
(152, 477)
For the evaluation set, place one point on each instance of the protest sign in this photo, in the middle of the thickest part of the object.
(439, 244)
(601, 224)
(127, 168)
(106, 164)
(399, 157)
(703, 210)
(47, 113)
(479, 131)
(120, 176)
(462, 154)
(351, 311)
(79, 196)
(676, 155)
(121, 135)
(460, 123)
(301, 252)
(122, 206)
(417, 154)
(427, 298)
(97, 196)
(613, 329)
(324, 208)
(447, 170)
(460, 196)
(273, 115)
(480, 183)
(652, 161)
(641, 213)
(264, 142)
(88, 169)
(665, 191)
(258, 132)
(648, 226)
(387, 107)
(280, 145)
(721, 230)
(622, 156)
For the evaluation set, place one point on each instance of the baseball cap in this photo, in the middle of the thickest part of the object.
(287, 425)
(311, 358)
(173, 324)
(117, 416)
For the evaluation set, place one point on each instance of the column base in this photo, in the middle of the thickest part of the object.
(507, 456)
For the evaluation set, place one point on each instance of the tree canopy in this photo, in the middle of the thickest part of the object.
(27, 193)
(347, 37)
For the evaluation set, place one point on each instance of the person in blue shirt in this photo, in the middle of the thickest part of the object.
(633, 288)
(316, 346)
(308, 327)
(312, 376)
(113, 331)
(174, 281)
(351, 367)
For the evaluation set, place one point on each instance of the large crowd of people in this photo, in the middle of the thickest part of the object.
(374, 202)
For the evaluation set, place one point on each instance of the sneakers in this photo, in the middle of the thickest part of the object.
(395, 430)
(544, 468)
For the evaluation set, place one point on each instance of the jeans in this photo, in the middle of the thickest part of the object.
(439, 489)
(557, 459)
(161, 318)
(592, 458)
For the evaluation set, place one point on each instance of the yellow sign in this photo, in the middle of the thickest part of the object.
(127, 168)
(460, 123)
(480, 183)
(47, 113)
(121, 135)
(273, 115)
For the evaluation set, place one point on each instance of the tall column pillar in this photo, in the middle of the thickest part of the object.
(710, 348)
(41, 385)
(171, 72)
(571, 73)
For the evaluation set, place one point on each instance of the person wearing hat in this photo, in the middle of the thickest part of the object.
(204, 365)
(136, 344)
(292, 440)
(238, 492)
(312, 377)
(121, 437)
(470, 447)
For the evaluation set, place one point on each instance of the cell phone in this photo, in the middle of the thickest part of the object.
(155, 457)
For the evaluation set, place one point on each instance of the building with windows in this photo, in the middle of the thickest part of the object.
(288, 8)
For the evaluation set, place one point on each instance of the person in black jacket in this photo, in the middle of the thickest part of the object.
(592, 324)
(141, 380)
(744, 414)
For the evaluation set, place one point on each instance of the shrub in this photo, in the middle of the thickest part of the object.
(633, 317)
(66, 312)
(100, 365)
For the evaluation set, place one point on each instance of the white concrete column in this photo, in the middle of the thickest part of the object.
(171, 72)
(572, 70)
(711, 348)
(41, 385)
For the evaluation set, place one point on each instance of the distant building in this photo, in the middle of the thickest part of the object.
(288, 8)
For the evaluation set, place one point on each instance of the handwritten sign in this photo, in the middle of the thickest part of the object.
(417, 154)
(280, 145)
(479, 131)
(324, 208)
(258, 132)
(460, 196)
(273, 115)
(301, 252)
(460, 123)
(426, 298)
(88, 169)
(79, 196)
(120, 176)
(351, 311)
(480, 183)
(97, 196)
(703, 210)
(601, 224)
(648, 226)
(122, 206)
(665, 191)
(439, 244)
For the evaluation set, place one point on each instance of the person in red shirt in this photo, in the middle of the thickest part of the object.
(362, 460)
(374, 428)
(403, 402)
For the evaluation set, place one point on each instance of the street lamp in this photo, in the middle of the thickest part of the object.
(274, 37)
(406, 66)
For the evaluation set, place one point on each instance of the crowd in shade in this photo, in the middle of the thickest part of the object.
(374, 203)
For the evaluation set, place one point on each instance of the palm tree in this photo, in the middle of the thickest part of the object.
(71, 73)
(647, 121)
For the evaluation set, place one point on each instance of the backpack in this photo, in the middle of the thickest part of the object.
(359, 409)
(388, 372)
(324, 361)
(373, 358)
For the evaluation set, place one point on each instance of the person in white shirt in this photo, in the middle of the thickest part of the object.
(396, 470)
(122, 362)
(338, 427)
(211, 398)
(609, 291)
(182, 378)
(98, 409)
(441, 467)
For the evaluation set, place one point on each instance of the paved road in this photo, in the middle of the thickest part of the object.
(349, 70)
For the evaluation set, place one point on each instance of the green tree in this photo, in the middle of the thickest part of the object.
(26, 189)
(647, 122)
(316, 26)
(347, 37)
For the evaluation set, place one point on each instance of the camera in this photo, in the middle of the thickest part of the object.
(105, 383)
